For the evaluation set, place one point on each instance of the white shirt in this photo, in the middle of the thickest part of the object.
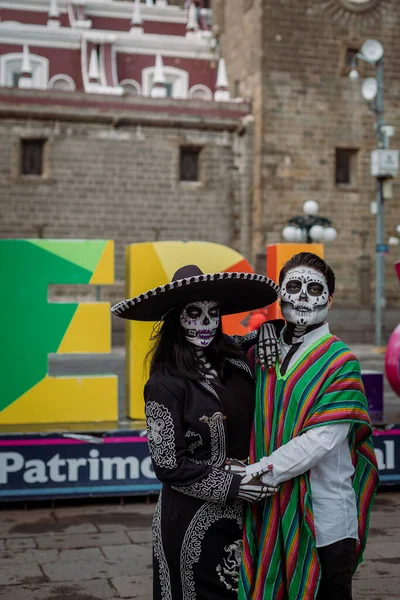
(325, 452)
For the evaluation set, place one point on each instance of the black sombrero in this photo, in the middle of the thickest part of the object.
(235, 292)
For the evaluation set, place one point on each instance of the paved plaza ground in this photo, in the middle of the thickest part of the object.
(103, 552)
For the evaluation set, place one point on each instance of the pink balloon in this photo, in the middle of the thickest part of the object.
(392, 360)
(397, 267)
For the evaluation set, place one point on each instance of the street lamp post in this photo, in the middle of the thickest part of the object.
(384, 163)
(309, 227)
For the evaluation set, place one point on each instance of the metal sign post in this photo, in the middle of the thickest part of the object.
(384, 164)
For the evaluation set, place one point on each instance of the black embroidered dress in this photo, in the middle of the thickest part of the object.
(197, 526)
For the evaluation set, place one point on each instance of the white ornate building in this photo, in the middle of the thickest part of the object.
(141, 48)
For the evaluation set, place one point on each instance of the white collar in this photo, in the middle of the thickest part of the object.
(308, 338)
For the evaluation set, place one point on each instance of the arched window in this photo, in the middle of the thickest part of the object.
(200, 92)
(10, 70)
(177, 81)
(131, 87)
(62, 82)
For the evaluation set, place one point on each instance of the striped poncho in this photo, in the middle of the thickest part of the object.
(280, 560)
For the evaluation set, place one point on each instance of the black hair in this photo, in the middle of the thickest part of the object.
(308, 259)
(173, 354)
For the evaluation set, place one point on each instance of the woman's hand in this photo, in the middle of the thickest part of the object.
(253, 489)
(233, 465)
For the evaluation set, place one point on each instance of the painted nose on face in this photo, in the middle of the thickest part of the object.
(303, 295)
(206, 320)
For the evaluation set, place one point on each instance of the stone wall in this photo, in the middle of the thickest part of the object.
(305, 107)
(121, 182)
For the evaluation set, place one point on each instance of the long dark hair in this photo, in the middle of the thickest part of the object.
(173, 354)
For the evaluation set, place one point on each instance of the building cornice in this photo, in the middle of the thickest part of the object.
(40, 35)
(167, 45)
(70, 38)
(105, 8)
(81, 107)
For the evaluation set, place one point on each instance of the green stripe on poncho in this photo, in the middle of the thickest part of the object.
(324, 386)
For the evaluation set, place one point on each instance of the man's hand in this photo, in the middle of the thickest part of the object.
(259, 468)
(268, 349)
(233, 465)
(254, 490)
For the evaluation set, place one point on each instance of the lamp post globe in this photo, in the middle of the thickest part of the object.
(369, 89)
(330, 234)
(317, 233)
(310, 207)
(354, 75)
(309, 227)
(290, 233)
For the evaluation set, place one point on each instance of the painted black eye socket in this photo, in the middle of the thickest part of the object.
(214, 312)
(315, 289)
(193, 312)
(293, 286)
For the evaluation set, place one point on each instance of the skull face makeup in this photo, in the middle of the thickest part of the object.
(304, 297)
(200, 321)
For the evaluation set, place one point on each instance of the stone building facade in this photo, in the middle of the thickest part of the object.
(119, 96)
(116, 122)
(113, 170)
(292, 63)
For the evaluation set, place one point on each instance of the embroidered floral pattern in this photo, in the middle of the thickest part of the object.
(160, 435)
(159, 554)
(193, 440)
(217, 440)
(217, 434)
(228, 572)
(207, 385)
(204, 518)
(213, 488)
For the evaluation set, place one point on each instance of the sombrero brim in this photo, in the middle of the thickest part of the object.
(235, 292)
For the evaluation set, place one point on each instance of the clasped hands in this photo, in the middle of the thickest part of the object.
(251, 487)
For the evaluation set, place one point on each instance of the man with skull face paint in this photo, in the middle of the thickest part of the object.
(199, 404)
(312, 437)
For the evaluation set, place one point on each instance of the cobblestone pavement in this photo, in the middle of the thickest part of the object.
(103, 552)
(87, 552)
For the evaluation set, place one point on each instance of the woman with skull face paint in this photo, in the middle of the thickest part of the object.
(312, 437)
(199, 404)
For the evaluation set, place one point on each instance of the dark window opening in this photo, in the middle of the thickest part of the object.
(15, 78)
(32, 157)
(189, 163)
(350, 54)
(345, 166)
(169, 87)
